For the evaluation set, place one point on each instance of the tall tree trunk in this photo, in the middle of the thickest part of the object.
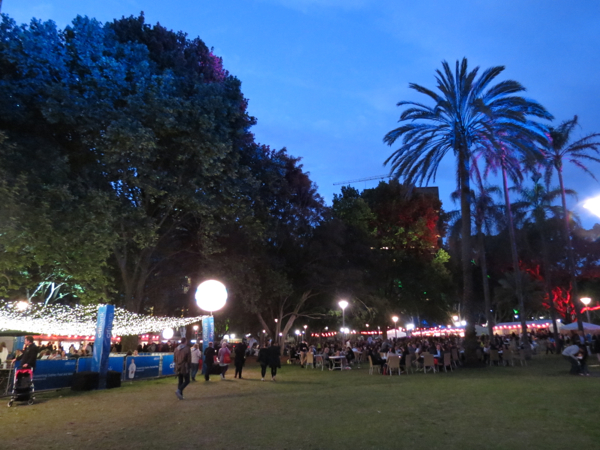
(470, 342)
(548, 280)
(486, 283)
(570, 256)
(515, 261)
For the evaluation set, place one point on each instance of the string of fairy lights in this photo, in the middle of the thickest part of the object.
(61, 320)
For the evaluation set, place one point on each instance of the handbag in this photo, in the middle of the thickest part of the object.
(226, 359)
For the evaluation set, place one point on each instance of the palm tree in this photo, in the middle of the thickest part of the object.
(558, 150)
(486, 217)
(506, 155)
(538, 201)
(466, 114)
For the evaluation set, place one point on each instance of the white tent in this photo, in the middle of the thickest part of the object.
(395, 333)
(587, 328)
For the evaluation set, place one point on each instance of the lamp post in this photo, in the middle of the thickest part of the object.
(395, 319)
(343, 304)
(211, 295)
(196, 327)
(586, 301)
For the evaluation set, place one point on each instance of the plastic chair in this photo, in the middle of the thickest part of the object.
(319, 361)
(520, 356)
(494, 357)
(447, 362)
(507, 357)
(393, 363)
(408, 363)
(428, 362)
(310, 359)
(371, 366)
(455, 358)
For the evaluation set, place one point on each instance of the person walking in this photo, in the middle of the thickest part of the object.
(224, 358)
(30, 351)
(240, 357)
(274, 353)
(209, 359)
(195, 361)
(182, 358)
(263, 360)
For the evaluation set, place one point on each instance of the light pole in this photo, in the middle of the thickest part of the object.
(343, 304)
(297, 337)
(196, 327)
(395, 319)
(211, 295)
(586, 301)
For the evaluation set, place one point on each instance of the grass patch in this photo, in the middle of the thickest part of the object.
(538, 406)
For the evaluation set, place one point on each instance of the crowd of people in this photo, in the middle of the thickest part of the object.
(216, 362)
(377, 349)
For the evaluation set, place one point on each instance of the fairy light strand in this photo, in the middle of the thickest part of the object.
(61, 320)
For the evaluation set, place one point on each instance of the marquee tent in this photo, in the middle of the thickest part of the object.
(587, 328)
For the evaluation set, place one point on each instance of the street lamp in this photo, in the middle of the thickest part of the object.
(395, 319)
(211, 295)
(586, 301)
(343, 304)
(196, 328)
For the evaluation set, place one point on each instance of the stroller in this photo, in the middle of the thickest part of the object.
(22, 390)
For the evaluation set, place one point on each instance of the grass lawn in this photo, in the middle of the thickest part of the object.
(538, 406)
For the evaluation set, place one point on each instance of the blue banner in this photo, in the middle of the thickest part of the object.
(19, 343)
(208, 331)
(84, 364)
(53, 374)
(141, 367)
(168, 364)
(115, 363)
(106, 314)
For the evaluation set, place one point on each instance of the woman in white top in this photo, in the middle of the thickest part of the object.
(3, 352)
(224, 359)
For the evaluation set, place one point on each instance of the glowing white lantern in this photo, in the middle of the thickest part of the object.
(211, 295)
(167, 333)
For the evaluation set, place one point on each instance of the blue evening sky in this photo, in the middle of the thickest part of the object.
(323, 76)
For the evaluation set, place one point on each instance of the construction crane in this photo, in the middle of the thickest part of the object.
(378, 177)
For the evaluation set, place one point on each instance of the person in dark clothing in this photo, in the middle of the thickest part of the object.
(209, 359)
(30, 351)
(274, 353)
(303, 350)
(240, 357)
(182, 358)
(263, 360)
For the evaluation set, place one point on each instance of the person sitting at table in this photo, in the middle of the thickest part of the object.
(303, 350)
(438, 356)
(326, 359)
(349, 355)
(293, 355)
(376, 359)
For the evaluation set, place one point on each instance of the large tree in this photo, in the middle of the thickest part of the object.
(142, 115)
(562, 148)
(467, 113)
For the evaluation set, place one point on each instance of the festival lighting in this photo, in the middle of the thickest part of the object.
(211, 295)
(79, 320)
(22, 305)
(167, 333)
(593, 205)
